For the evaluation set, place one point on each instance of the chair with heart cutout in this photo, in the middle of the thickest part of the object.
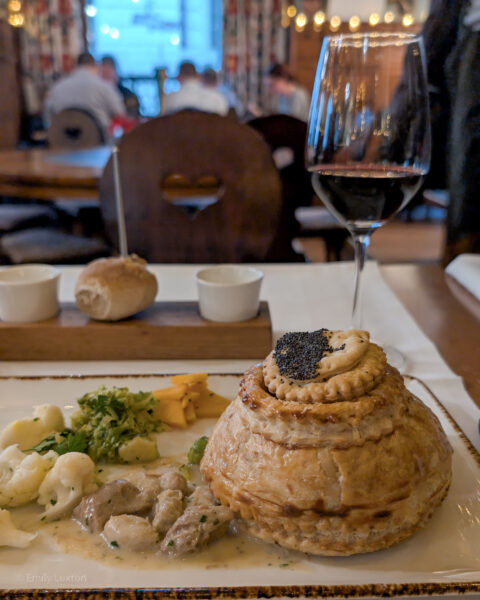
(197, 188)
(75, 128)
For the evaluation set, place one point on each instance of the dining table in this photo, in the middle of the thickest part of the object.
(417, 309)
(48, 174)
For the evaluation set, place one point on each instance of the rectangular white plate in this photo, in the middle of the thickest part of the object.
(443, 558)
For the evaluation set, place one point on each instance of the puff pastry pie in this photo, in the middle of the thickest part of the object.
(324, 450)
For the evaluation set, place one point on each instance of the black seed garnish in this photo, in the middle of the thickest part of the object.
(298, 353)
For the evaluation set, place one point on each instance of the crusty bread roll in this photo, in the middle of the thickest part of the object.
(110, 289)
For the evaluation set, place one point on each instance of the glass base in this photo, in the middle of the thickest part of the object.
(395, 358)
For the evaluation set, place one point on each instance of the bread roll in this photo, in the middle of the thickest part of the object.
(110, 289)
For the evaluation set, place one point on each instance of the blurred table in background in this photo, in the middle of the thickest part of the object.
(446, 312)
(50, 174)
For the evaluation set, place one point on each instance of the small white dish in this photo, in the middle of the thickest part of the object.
(28, 293)
(229, 293)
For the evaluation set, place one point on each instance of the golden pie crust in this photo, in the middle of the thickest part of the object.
(336, 465)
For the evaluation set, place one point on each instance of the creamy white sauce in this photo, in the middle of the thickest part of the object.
(235, 550)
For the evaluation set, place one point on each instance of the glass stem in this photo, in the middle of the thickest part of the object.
(361, 243)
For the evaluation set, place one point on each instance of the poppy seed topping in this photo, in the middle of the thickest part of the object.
(298, 353)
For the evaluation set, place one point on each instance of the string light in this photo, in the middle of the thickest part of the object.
(389, 17)
(14, 6)
(335, 22)
(301, 20)
(16, 19)
(354, 23)
(105, 29)
(319, 17)
(291, 11)
(114, 33)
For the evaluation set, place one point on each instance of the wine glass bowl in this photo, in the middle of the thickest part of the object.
(368, 140)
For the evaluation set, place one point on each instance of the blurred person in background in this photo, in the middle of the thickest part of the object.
(209, 78)
(109, 72)
(211, 81)
(452, 42)
(288, 96)
(84, 89)
(194, 95)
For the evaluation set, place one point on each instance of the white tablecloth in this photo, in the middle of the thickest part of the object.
(301, 297)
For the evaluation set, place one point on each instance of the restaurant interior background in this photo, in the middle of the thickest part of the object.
(39, 43)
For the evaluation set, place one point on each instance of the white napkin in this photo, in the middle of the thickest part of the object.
(465, 268)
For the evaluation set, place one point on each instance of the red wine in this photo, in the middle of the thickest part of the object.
(365, 196)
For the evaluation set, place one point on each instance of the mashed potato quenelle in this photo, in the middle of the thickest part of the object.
(324, 450)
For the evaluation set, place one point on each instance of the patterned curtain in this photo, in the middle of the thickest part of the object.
(51, 40)
(250, 42)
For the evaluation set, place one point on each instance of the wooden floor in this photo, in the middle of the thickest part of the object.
(396, 242)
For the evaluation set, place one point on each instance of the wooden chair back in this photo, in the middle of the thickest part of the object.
(287, 134)
(74, 128)
(197, 188)
(283, 132)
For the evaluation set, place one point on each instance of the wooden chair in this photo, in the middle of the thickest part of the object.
(75, 128)
(285, 135)
(197, 188)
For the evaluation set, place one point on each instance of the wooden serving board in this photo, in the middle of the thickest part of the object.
(166, 330)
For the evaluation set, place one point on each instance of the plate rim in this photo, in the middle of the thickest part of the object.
(384, 590)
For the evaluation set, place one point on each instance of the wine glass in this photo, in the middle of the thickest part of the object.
(368, 141)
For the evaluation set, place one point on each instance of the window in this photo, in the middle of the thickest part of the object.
(146, 35)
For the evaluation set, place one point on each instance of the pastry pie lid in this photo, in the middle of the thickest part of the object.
(442, 559)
